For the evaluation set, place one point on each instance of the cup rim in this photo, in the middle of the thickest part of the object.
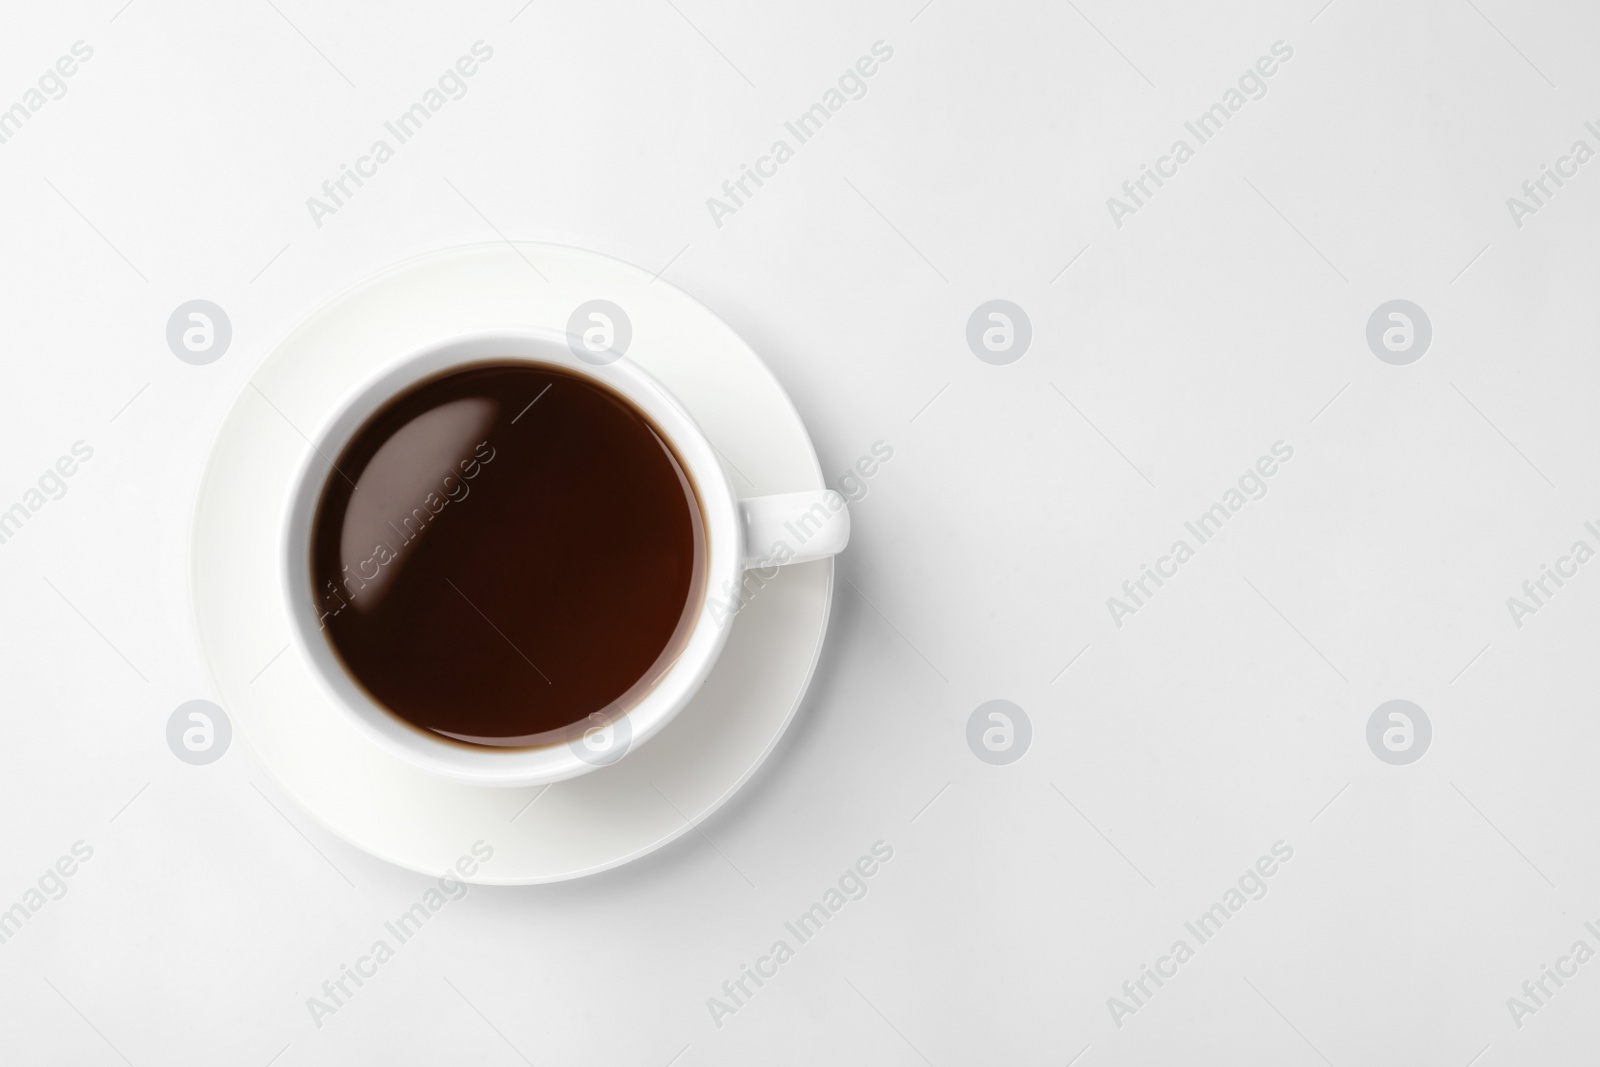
(480, 764)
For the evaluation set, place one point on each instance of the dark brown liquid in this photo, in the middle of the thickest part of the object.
(504, 550)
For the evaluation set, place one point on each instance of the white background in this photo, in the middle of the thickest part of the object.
(1228, 714)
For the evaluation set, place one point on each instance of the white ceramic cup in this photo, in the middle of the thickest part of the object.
(758, 534)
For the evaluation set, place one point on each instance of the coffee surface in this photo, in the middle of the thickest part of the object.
(504, 550)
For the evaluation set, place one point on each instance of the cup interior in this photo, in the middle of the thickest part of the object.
(561, 753)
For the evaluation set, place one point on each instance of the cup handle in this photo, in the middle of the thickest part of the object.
(793, 527)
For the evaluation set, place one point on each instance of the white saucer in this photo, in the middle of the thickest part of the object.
(581, 826)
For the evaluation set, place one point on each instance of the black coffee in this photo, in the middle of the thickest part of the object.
(505, 549)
